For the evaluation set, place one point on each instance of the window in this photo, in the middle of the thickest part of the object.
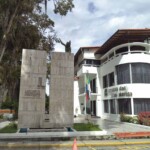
(105, 81)
(106, 106)
(123, 74)
(124, 106)
(137, 48)
(88, 61)
(111, 79)
(96, 62)
(112, 106)
(122, 50)
(141, 104)
(108, 80)
(111, 55)
(93, 85)
(140, 73)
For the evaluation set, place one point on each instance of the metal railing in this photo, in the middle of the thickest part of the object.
(93, 90)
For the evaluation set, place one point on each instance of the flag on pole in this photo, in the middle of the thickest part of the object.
(87, 88)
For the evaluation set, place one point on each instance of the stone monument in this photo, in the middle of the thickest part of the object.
(32, 90)
(61, 90)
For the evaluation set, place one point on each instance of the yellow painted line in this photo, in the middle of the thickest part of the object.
(28, 145)
(138, 142)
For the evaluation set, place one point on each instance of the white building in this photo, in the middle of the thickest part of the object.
(119, 72)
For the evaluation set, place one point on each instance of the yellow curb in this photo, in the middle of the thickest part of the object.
(142, 142)
(26, 145)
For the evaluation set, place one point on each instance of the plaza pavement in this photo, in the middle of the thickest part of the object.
(112, 126)
(3, 124)
(65, 139)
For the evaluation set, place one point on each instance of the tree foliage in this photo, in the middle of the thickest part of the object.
(24, 25)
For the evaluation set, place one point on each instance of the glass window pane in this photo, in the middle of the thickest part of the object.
(112, 106)
(140, 73)
(105, 81)
(124, 106)
(123, 74)
(111, 79)
(141, 104)
(106, 106)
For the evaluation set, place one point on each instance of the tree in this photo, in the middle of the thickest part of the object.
(10, 10)
(61, 6)
(23, 25)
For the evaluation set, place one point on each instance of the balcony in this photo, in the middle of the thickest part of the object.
(93, 91)
(126, 49)
(87, 69)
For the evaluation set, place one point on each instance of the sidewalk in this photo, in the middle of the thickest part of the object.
(111, 130)
(3, 124)
(113, 127)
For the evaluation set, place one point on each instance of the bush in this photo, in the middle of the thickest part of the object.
(1, 116)
(134, 120)
(125, 118)
(144, 118)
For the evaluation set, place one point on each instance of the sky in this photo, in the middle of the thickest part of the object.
(92, 22)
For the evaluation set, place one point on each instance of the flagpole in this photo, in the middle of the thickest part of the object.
(85, 94)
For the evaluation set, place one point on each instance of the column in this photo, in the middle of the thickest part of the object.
(132, 107)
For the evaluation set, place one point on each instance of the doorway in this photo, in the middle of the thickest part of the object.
(93, 108)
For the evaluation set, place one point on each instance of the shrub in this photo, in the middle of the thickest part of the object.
(144, 118)
(134, 120)
(125, 118)
(1, 116)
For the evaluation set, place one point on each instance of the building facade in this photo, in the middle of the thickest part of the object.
(119, 73)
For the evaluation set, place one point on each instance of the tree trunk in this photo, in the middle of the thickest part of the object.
(4, 39)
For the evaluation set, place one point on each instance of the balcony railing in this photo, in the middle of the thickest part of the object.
(88, 65)
(82, 90)
(116, 51)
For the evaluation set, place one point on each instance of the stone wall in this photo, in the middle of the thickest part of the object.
(61, 90)
(32, 89)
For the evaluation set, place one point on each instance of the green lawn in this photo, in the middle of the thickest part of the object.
(86, 127)
(11, 128)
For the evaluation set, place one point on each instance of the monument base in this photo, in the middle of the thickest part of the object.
(48, 130)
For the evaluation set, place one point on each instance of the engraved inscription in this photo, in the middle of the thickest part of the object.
(32, 93)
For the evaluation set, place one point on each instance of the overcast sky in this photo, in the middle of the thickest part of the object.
(92, 22)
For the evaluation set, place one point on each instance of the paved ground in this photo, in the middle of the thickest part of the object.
(113, 126)
(3, 124)
(81, 145)
(109, 126)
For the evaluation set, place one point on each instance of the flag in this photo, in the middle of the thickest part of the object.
(87, 88)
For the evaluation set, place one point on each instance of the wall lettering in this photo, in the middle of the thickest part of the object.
(121, 91)
(32, 93)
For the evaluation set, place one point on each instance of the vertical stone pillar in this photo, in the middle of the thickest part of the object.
(61, 90)
(32, 89)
